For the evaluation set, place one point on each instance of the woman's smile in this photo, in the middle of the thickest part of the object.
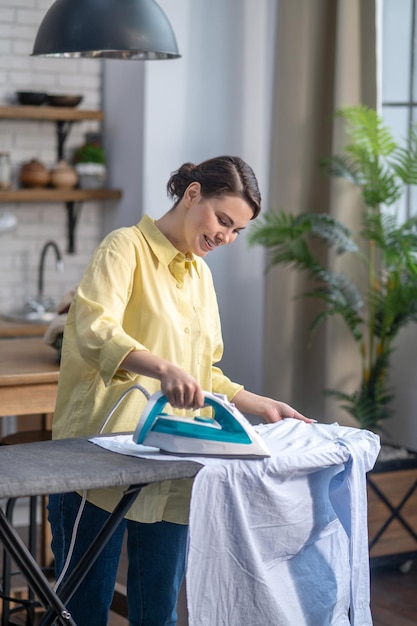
(210, 243)
(213, 222)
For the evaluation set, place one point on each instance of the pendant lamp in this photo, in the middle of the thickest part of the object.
(113, 29)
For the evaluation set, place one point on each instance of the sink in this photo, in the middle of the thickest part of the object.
(34, 311)
(39, 309)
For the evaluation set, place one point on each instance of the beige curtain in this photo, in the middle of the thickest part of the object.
(325, 59)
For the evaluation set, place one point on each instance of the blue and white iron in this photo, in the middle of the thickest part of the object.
(227, 434)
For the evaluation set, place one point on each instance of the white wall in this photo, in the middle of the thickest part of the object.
(214, 100)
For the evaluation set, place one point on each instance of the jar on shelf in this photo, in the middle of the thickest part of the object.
(5, 171)
(63, 176)
(34, 174)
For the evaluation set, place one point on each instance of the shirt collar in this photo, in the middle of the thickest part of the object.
(163, 249)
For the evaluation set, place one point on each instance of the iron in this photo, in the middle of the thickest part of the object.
(227, 434)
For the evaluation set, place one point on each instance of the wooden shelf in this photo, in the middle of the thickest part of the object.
(54, 114)
(59, 195)
(70, 197)
(63, 117)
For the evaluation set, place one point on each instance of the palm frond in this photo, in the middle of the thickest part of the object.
(370, 403)
(367, 131)
(351, 318)
(368, 156)
(329, 230)
(397, 243)
(395, 305)
(342, 298)
(337, 289)
(403, 161)
(380, 186)
(273, 230)
(341, 166)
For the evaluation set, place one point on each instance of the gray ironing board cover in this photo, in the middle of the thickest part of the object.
(65, 465)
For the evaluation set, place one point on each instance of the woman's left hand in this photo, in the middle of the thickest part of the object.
(275, 411)
(267, 408)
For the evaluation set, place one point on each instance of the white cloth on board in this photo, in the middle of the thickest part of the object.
(283, 540)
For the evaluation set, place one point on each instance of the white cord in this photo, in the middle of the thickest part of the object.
(84, 496)
(73, 538)
(112, 410)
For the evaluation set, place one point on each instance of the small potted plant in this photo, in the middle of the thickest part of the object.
(90, 163)
(381, 170)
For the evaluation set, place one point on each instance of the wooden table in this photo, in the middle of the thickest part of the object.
(9, 328)
(29, 372)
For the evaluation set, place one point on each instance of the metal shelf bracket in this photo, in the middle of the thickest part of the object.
(73, 213)
(62, 130)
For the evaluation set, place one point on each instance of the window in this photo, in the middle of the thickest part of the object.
(399, 78)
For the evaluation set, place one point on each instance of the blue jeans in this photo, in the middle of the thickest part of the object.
(156, 554)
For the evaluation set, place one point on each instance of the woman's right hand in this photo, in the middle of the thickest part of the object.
(181, 389)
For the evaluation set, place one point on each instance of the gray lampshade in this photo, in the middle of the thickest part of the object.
(115, 29)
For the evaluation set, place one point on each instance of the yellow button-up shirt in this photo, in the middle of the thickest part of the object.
(137, 293)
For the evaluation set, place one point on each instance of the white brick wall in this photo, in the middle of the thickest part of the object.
(37, 223)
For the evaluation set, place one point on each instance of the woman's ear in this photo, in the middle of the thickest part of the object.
(192, 193)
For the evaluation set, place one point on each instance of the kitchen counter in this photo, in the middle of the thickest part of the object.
(21, 329)
(29, 372)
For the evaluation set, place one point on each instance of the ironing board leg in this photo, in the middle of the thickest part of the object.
(7, 569)
(54, 602)
(73, 581)
(32, 572)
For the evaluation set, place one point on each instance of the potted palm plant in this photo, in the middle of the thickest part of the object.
(374, 314)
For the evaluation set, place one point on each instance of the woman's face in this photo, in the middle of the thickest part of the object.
(213, 222)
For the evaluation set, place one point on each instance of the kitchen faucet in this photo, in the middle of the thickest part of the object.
(59, 265)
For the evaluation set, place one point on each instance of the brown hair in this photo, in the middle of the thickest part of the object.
(220, 176)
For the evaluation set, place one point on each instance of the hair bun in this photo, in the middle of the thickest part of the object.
(224, 175)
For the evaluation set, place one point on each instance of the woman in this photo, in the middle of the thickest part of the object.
(146, 312)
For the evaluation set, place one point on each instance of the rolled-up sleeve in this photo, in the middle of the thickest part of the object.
(100, 308)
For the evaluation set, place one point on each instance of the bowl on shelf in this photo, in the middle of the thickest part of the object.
(63, 100)
(33, 98)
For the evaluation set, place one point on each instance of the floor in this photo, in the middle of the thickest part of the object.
(394, 596)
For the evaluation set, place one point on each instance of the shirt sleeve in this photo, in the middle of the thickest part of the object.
(223, 384)
(100, 303)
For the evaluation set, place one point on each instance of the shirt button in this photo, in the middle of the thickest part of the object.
(179, 286)
(187, 330)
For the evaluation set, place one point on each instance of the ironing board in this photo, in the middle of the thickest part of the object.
(300, 451)
(68, 465)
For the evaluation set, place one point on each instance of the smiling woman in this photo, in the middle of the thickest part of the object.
(146, 312)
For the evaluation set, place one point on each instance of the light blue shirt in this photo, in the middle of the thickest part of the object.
(280, 541)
